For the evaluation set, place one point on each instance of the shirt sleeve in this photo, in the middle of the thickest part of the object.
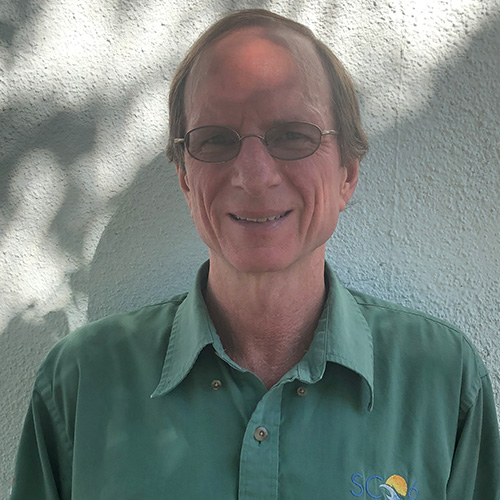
(475, 471)
(43, 465)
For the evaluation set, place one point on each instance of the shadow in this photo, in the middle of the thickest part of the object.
(6, 34)
(430, 240)
(22, 13)
(68, 135)
(150, 250)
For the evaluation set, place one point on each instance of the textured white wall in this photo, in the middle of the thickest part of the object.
(92, 221)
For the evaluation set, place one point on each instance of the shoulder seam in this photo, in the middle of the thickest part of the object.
(402, 309)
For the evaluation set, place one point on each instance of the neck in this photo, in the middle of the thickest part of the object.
(266, 321)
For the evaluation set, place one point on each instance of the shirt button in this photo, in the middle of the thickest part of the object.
(216, 385)
(301, 391)
(260, 434)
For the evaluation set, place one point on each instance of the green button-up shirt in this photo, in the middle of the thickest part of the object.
(386, 403)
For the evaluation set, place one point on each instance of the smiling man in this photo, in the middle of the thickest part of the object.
(268, 380)
(267, 201)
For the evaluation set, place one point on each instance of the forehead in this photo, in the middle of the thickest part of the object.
(256, 61)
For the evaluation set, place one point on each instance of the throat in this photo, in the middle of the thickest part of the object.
(270, 365)
(267, 329)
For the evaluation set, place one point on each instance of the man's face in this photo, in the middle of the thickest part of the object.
(257, 213)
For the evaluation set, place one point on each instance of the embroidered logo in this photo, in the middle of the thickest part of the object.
(394, 488)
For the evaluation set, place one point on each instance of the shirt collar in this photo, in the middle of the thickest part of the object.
(192, 330)
(342, 336)
(349, 338)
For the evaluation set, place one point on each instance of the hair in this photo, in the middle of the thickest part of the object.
(351, 138)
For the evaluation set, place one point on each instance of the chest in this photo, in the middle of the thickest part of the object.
(225, 438)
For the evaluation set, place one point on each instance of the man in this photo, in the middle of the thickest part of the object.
(268, 380)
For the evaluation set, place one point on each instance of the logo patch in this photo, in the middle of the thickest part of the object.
(394, 488)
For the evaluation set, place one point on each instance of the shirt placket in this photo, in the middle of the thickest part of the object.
(259, 459)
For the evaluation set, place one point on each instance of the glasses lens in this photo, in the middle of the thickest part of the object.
(293, 141)
(212, 144)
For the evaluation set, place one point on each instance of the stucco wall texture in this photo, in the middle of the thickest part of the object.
(91, 217)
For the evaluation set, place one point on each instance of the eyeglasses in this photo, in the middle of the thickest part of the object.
(285, 141)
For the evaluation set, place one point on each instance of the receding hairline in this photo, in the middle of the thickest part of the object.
(279, 35)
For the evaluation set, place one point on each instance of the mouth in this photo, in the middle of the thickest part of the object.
(261, 219)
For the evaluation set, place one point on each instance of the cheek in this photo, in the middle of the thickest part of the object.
(196, 202)
(202, 195)
(321, 193)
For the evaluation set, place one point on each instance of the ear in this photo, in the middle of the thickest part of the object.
(184, 184)
(349, 181)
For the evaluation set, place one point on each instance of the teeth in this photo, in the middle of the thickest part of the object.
(263, 219)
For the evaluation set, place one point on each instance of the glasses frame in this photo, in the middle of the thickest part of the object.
(182, 141)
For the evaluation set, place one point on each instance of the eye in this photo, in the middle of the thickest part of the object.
(222, 139)
(211, 138)
(213, 144)
(291, 135)
(281, 136)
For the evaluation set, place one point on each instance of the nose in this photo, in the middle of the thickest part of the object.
(255, 170)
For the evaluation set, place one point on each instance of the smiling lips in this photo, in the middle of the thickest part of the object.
(260, 219)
